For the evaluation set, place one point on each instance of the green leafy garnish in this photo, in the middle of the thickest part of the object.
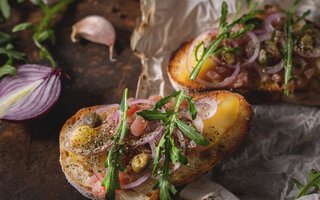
(225, 32)
(43, 31)
(288, 28)
(7, 49)
(6, 9)
(313, 183)
(166, 146)
(114, 161)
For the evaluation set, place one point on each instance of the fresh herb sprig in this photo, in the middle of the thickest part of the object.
(7, 49)
(6, 9)
(43, 31)
(166, 146)
(290, 41)
(114, 161)
(313, 183)
(225, 32)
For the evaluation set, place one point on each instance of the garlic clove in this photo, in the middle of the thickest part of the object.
(95, 29)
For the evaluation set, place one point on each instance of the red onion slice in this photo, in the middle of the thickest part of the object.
(95, 169)
(206, 107)
(254, 42)
(107, 107)
(274, 69)
(138, 101)
(268, 21)
(227, 81)
(29, 94)
(182, 141)
(136, 183)
(196, 42)
(150, 137)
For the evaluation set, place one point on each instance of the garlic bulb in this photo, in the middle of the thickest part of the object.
(95, 29)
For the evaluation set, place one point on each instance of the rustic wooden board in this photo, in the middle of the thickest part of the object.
(29, 151)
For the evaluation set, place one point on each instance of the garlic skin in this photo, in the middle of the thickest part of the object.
(95, 29)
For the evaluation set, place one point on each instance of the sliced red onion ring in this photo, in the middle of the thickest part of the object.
(136, 183)
(107, 107)
(116, 118)
(152, 147)
(175, 168)
(255, 42)
(268, 21)
(138, 101)
(196, 42)
(29, 94)
(274, 69)
(95, 170)
(206, 107)
(197, 122)
(227, 81)
(150, 137)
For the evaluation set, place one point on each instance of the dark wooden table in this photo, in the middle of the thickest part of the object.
(29, 151)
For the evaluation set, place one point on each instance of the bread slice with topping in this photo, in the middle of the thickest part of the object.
(225, 131)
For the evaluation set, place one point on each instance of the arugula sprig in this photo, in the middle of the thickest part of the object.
(313, 183)
(6, 9)
(290, 41)
(166, 146)
(43, 31)
(225, 32)
(114, 161)
(7, 49)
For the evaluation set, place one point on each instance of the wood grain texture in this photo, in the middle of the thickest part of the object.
(29, 151)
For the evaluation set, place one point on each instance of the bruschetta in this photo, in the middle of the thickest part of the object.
(222, 119)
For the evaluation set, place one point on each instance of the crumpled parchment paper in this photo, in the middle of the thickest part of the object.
(285, 139)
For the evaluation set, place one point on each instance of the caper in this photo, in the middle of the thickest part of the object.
(229, 58)
(140, 162)
(307, 42)
(265, 58)
(92, 119)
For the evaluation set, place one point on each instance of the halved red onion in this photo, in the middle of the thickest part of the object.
(29, 94)
(227, 81)
(195, 42)
(136, 183)
(150, 137)
(268, 26)
(206, 107)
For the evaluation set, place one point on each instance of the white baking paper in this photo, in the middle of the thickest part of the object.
(284, 141)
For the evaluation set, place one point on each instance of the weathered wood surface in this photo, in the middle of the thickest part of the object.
(29, 151)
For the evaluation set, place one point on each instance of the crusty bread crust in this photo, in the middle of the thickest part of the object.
(201, 159)
(177, 66)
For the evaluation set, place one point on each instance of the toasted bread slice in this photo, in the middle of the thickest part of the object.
(255, 92)
(77, 167)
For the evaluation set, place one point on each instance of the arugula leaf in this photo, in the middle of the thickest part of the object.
(224, 13)
(114, 160)
(192, 133)
(192, 108)
(164, 100)
(7, 70)
(242, 31)
(153, 115)
(5, 9)
(234, 17)
(251, 5)
(303, 16)
(288, 27)
(5, 38)
(43, 31)
(314, 182)
(24, 26)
